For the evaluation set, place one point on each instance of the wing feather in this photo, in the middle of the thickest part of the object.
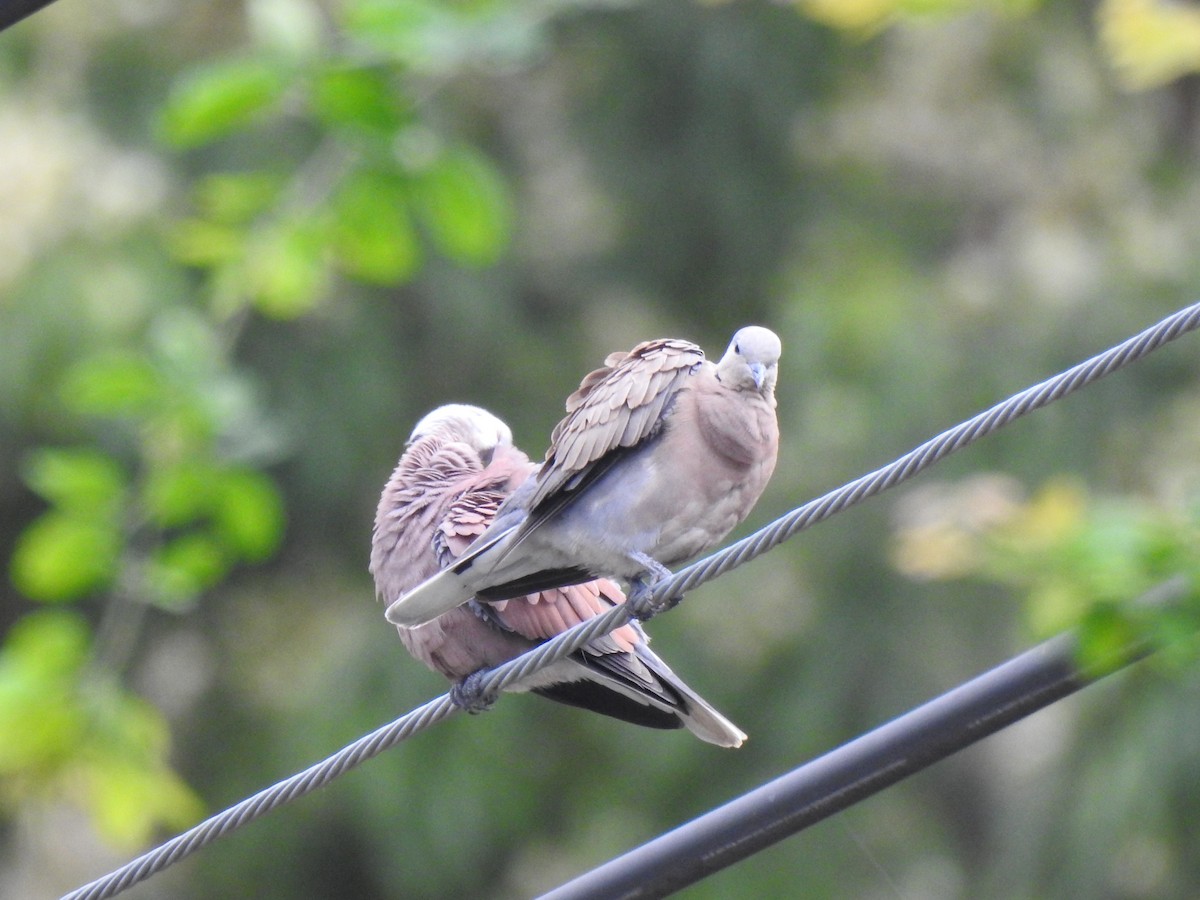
(618, 405)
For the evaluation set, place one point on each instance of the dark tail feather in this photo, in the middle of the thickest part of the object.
(600, 699)
(538, 581)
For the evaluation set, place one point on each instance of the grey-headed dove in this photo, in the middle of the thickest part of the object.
(459, 466)
(660, 455)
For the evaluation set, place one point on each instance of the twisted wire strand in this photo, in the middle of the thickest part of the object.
(648, 602)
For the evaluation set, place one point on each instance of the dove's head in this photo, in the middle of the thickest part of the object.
(460, 422)
(752, 360)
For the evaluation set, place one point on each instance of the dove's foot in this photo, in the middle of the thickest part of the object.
(471, 695)
(641, 600)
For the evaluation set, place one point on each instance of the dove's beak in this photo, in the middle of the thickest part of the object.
(758, 372)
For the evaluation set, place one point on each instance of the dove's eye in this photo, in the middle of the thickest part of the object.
(737, 348)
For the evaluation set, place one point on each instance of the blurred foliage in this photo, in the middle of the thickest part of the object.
(1082, 562)
(77, 734)
(1151, 42)
(247, 245)
(868, 16)
(372, 175)
(154, 512)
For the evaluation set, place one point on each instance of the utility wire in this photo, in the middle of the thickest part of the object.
(850, 773)
(490, 682)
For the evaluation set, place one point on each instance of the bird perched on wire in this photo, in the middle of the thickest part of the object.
(660, 455)
(459, 466)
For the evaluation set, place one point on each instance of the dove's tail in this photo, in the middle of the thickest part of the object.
(697, 714)
(702, 720)
(643, 691)
(429, 599)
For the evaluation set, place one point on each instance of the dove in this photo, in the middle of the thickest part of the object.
(459, 466)
(660, 455)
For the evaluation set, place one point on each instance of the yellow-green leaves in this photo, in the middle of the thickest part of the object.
(161, 512)
(73, 549)
(355, 202)
(866, 16)
(371, 224)
(247, 514)
(1150, 42)
(183, 567)
(64, 556)
(193, 520)
(221, 98)
(212, 516)
(1082, 563)
(112, 383)
(278, 265)
(358, 99)
(83, 480)
(50, 708)
(430, 38)
(285, 269)
(371, 229)
(465, 206)
(234, 198)
(39, 661)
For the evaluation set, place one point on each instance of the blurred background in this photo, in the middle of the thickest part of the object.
(246, 244)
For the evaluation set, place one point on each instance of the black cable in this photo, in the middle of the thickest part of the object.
(13, 11)
(844, 776)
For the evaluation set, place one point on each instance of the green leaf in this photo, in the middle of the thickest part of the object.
(127, 785)
(466, 207)
(180, 493)
(219, 99)
(63, 556)
(1106, 636)
(72, 736)
(39, 662)
(40, 728)
(116, 383)
(1174, 632)
(196, 242)
(129, 802)
(236, 198)
(358, 98)
(45, 644)
(183, 568)
(249, 515)
(373, 236)
(88, 481)
(286, 271)
(1151, 44)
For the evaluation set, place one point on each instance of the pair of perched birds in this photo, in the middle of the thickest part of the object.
(480, 554)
